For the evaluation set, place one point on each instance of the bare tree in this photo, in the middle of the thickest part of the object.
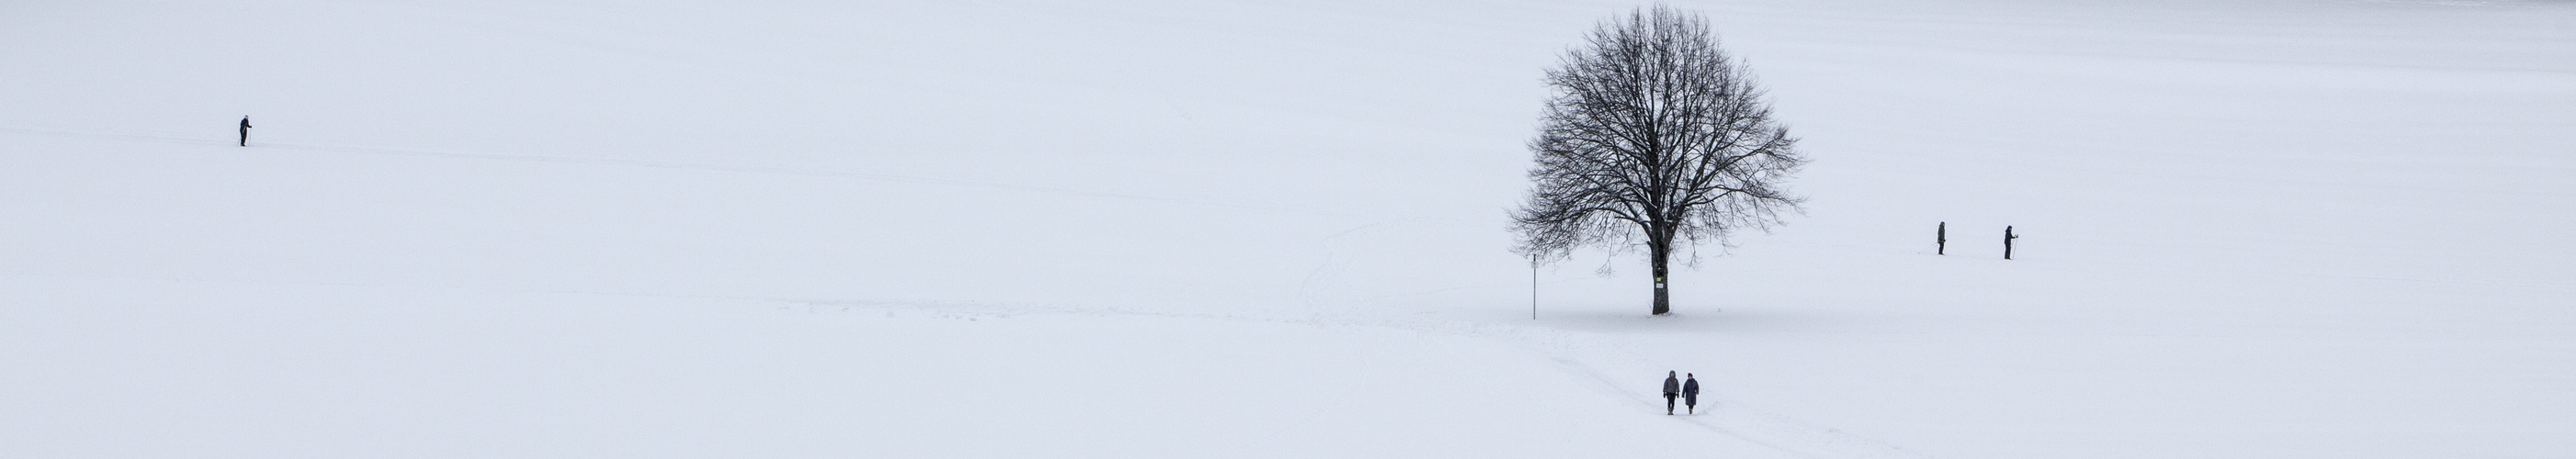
(1655, 138)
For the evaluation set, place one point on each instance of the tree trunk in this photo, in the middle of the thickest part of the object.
(1663, 301)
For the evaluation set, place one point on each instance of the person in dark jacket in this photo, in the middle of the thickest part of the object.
(1941, 239)
(2008, 237)
(1690, 393)
(245, 130)
(1672, 389)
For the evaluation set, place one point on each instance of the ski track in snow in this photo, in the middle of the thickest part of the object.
(2416, 137)
(1722, 416)
(1732, 418)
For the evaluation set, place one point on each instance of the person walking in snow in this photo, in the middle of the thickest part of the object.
(2008, 237)
(1690, 393)
(245, 130)
(1941, 239)
(1672, 390)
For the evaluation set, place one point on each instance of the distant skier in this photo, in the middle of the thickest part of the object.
(2008, 237)
(245, 131)
(1941, 239)
(1690, 393)
(1672, 390)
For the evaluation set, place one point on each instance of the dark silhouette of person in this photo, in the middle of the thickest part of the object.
(2008, 237)
(1690, 393)
(245, 131)
(1941, 239)
(1672, 390)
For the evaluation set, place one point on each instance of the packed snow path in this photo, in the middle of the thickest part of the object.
(2292, 229)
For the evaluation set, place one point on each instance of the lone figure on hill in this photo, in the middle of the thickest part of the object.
(1690, 393)
(2008, 237)
(245, 130)
(1672, 389)
(1941, 239)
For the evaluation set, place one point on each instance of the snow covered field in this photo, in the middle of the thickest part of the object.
(2278, 228)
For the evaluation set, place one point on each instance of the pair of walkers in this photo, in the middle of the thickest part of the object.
(1687, 391)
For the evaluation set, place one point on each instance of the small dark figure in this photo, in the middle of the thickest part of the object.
(1672, 390)
(1941, 239)
(245, 130)
(1690, 393)
(2008, 237)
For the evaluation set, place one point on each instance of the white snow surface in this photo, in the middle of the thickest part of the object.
(2267, 228)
